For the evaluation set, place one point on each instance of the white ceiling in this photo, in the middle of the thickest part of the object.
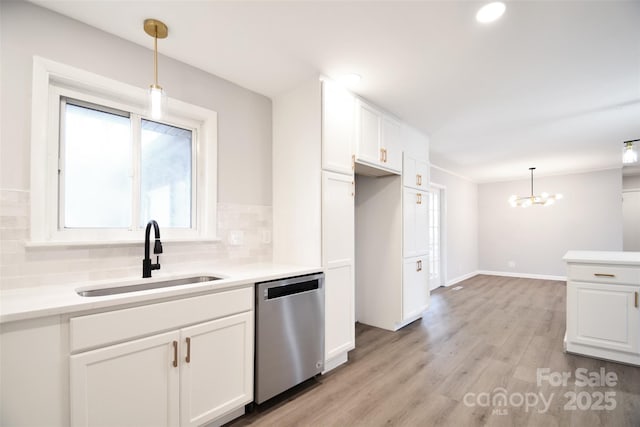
(553, 84)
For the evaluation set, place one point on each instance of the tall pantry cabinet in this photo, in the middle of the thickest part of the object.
(313, 199)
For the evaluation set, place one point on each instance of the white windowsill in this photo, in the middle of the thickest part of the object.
(96, 243)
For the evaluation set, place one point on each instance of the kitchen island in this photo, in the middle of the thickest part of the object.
(603, 307)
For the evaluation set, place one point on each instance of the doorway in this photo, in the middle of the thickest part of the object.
(436, 235)
(630, 215)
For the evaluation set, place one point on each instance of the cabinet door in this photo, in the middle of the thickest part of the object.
(368, 134)
(391, 143)
(130, 384)
(415, 222)
(338, 260)
(602, 315)
(422, 176)
(422, 222)
(415, 287)
(415, 173)
(338, 128)
(216, 368)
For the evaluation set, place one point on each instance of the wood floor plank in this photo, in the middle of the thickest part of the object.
(495, 333)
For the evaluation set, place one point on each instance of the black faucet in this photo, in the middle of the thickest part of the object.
(157, 249)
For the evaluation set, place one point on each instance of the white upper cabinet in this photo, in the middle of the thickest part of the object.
(368, 126)
(379, 141)
(415, 173)
(338, 128)
(392, 143)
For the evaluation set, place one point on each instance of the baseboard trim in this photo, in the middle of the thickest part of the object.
(461, 278)
(523, 275)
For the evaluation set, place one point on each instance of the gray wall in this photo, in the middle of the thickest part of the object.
(631, 182)
(244, 152)
(461, 224)
(589, 217)
(244, 117)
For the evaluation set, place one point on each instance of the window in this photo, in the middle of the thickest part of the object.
(103, 169)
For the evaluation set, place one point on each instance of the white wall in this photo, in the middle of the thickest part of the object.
(244, 150)
(461, 222)
(589, 217)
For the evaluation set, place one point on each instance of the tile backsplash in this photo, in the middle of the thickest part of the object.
(244, 230)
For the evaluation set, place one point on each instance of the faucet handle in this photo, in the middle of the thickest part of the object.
(157, 247)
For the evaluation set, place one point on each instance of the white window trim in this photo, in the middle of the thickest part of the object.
(50, 78)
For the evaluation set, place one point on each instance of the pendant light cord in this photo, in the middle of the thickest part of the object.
(155, 57)
(531, 182)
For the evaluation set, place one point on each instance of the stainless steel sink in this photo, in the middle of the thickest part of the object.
(145, 286)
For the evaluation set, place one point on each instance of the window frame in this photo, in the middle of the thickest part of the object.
(51, 81)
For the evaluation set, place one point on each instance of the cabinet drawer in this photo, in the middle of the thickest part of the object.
(604, 274)
(100, 329)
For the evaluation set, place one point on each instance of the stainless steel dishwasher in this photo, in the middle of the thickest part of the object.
(289, 333)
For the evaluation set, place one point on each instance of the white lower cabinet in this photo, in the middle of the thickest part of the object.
(338, 260)
(218, 377)
(130, 384)
(188, 377)
(415, 284)
(604, 315)
(603, 305)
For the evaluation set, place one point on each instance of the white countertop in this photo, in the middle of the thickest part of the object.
(29, 303)
(603, 257)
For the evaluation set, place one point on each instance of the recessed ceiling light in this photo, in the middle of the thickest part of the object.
(349, 79)
(490, 12)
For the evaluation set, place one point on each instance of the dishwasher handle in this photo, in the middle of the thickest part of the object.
(296, 285)
(295, 288)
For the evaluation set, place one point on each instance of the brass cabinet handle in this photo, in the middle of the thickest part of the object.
(353, 162)
(382, 154)
(418, 265)
(636, 303)
(188, 358)
(418, 179)
(385, 155)
(604, 275)
(419, 198)
(175, 354)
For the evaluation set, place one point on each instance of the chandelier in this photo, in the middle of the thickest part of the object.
(544, 199)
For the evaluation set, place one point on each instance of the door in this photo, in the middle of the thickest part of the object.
(132, 384)
(415, 287)
(338, 128)
(435, 237)
(338, 237)
(605, 316)
(216, 368)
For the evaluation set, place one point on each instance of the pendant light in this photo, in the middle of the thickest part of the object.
(544, 199)
(157, 97)
(629, 154)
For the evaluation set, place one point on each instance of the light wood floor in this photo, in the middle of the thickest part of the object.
(495, 332)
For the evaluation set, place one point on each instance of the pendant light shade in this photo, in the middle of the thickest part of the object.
(629, 152)
(157, 96)
(544, 199)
